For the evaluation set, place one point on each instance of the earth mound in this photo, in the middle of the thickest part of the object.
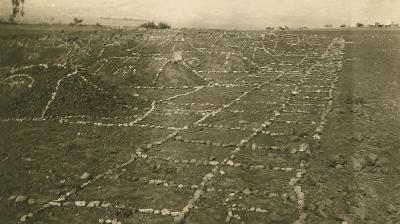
(176, 74)
(43, 92)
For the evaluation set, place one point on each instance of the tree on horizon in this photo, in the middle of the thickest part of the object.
(17, 10)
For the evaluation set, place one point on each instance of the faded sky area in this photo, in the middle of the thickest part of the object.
(252, 14)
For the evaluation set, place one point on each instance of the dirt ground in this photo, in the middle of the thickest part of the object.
(101, 125)
(353, 177)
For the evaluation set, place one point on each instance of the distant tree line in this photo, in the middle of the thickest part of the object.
(76, 22)
(152, 25)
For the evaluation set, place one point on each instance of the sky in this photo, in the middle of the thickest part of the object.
(252, 14)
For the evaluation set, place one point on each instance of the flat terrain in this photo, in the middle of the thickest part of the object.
(102, 125)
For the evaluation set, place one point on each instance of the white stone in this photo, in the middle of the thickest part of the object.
(80, 203)
(53, 203)
(146, 210)
(213, 163)
(165, 212)
(85, 176)
(20, 198)
(175, 213)
(93, 204)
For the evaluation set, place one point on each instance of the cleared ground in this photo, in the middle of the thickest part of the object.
(195, 126)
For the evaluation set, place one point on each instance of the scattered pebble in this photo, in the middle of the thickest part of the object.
(165, 212)
(12, 198)
(93, 204)
(85, 176)
(20, 198)
(213, 163)
(146, 210)
(80, 203)
(247, 191)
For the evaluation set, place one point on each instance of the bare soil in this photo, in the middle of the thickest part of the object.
(101, 125)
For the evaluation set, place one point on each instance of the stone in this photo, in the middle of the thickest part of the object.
(85, 176)
(146, 210)
(67, 204)
(371, 159)
(246, 191)
(165, 212)
(31, 201)
(158, 182)
(24, 218)
(272, 195)
(208, 177)
(358, 162)
(12, 198)
(93, 204)
(339, 166)
(175, 213)
(274, 147)
(80, 203)
(304, 147)
(285, 196)
(20, 198)
(259, 167)
(213, 163)
(336, 160)
(54, 203)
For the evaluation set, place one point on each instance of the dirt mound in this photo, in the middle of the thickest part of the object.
(51, 92)
(176, 74)
(79, 96)
(140, 72)
(32, 55)
(26, 92)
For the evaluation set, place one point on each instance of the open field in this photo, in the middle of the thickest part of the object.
(103, 125)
